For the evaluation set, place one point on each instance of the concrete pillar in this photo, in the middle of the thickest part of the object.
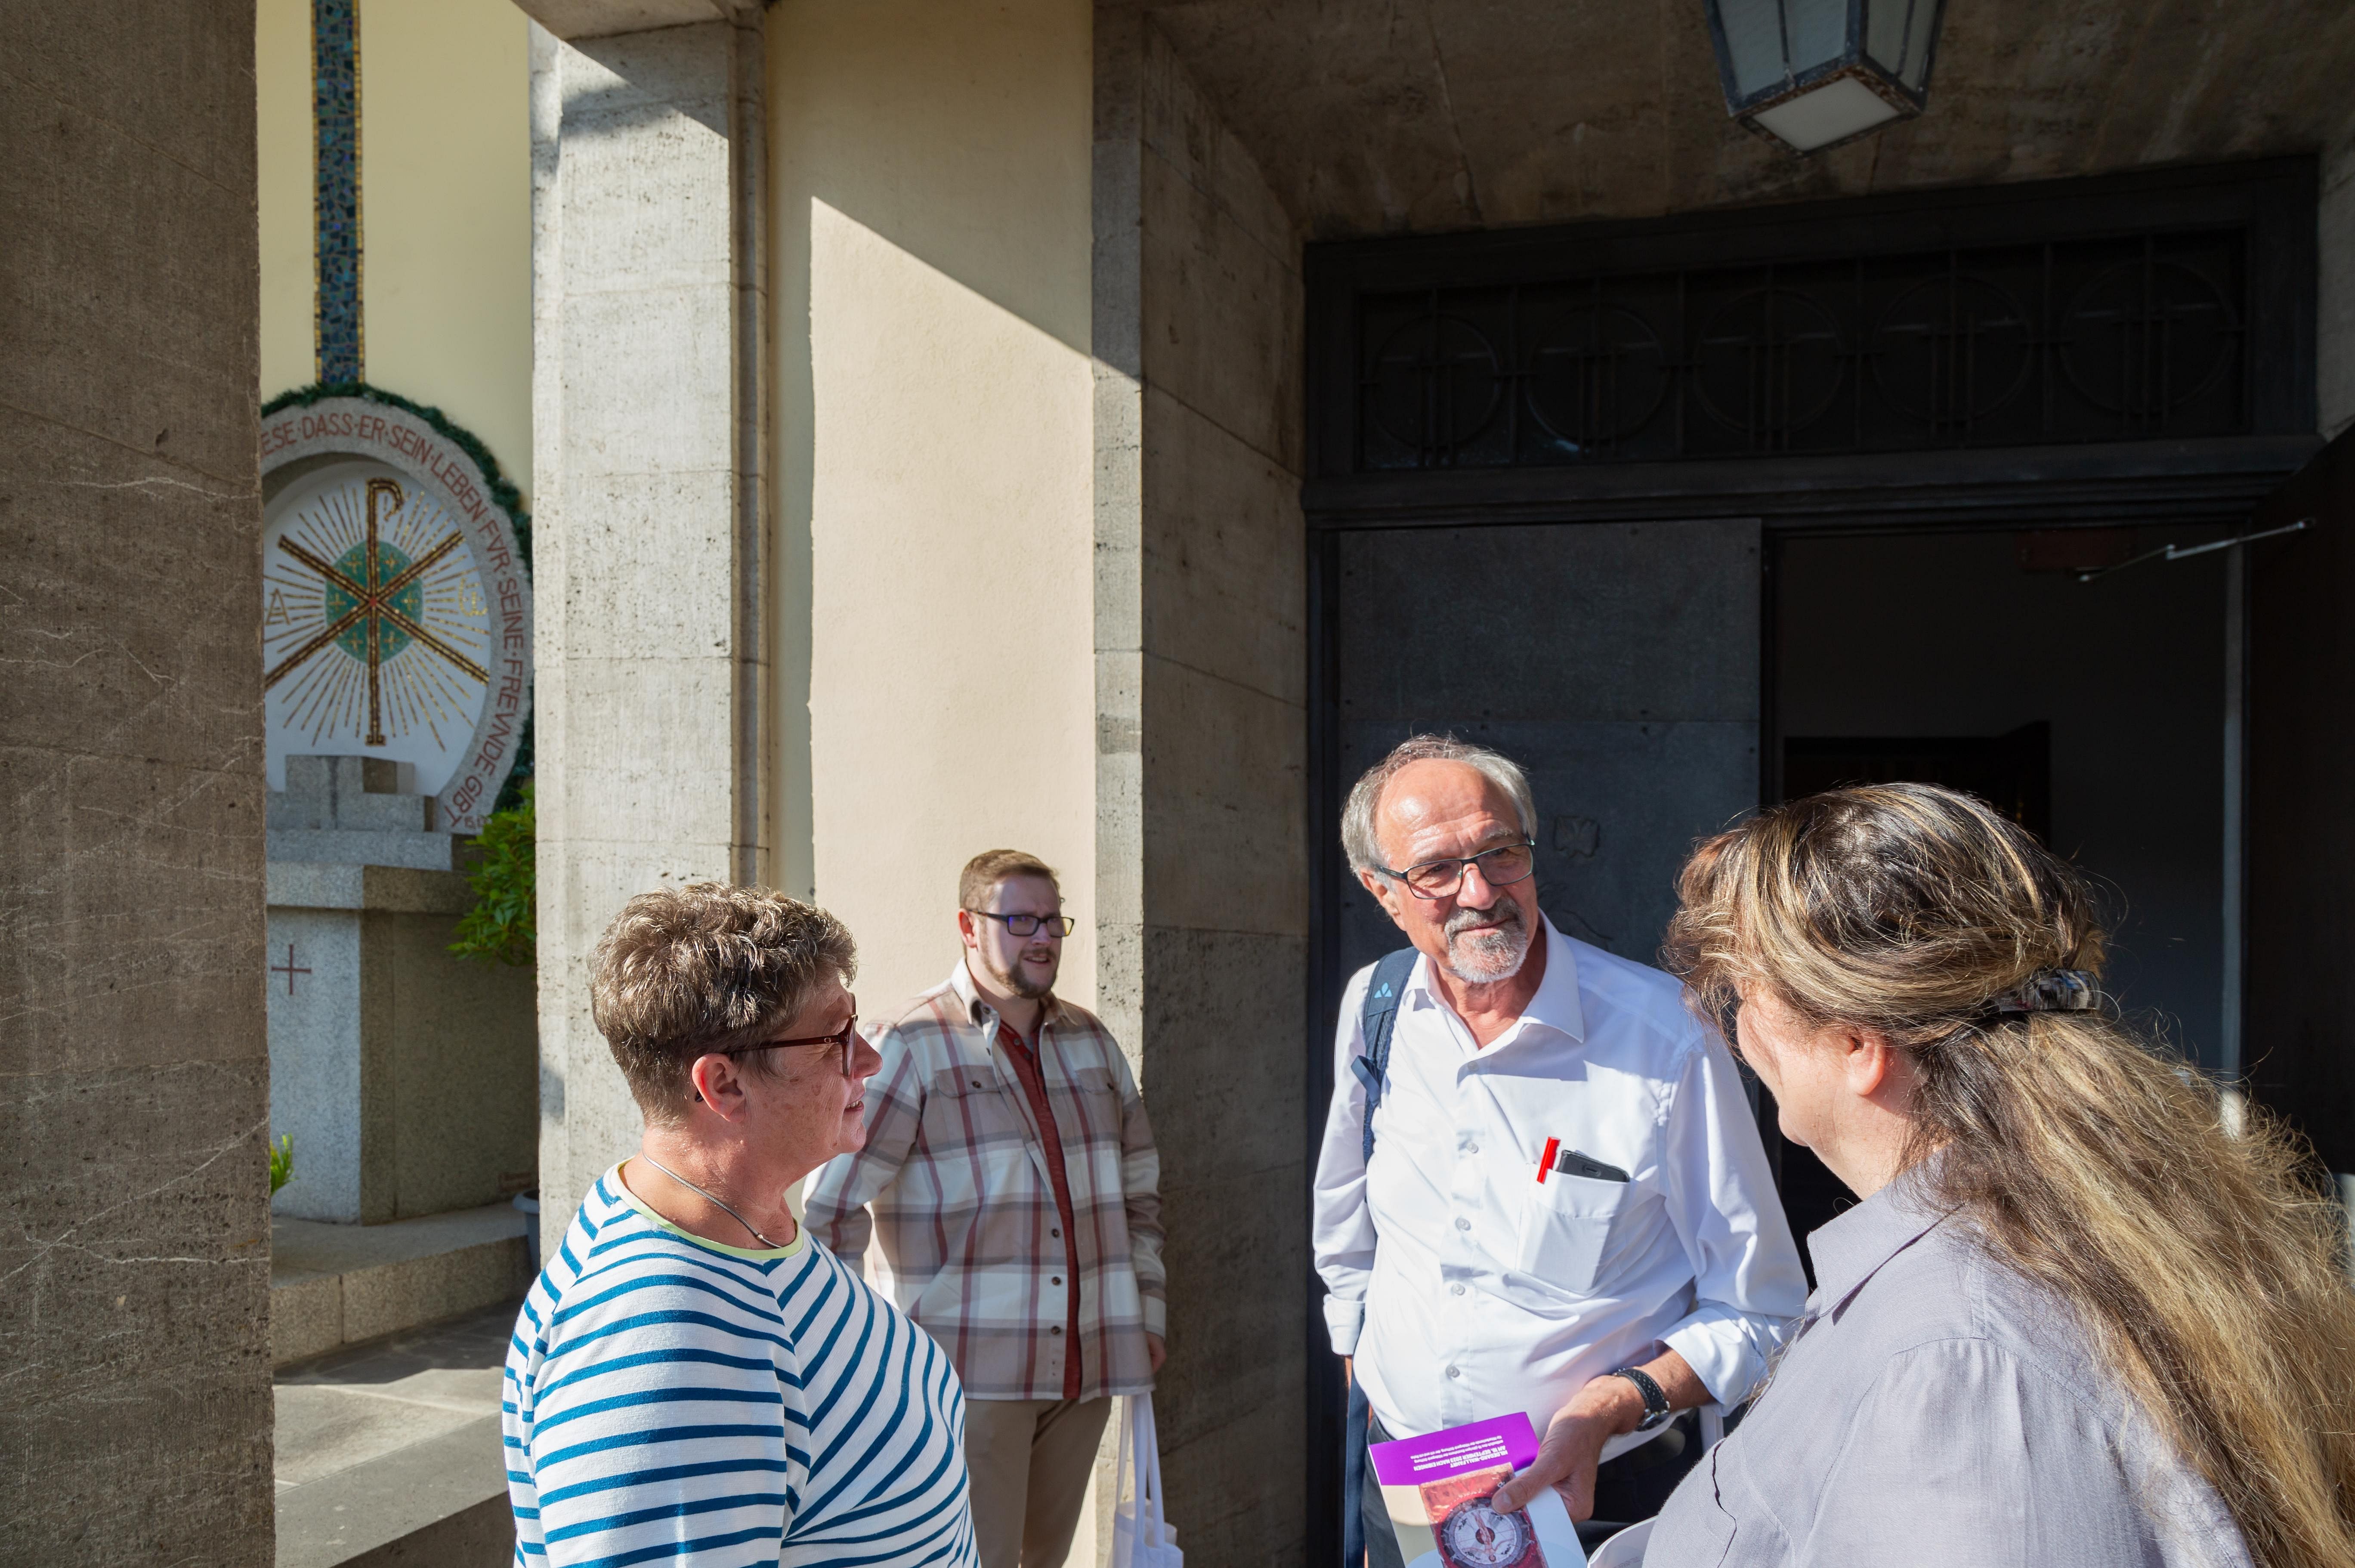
(1202, 862)
(134, 1258)
(650, 522)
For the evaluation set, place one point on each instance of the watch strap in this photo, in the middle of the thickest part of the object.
(1656, 1398)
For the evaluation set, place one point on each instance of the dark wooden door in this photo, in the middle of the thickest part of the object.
(2298, 1044)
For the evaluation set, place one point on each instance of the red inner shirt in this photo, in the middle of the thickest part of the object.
(1034, 1089)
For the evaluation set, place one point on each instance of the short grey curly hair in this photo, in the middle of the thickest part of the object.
(1366, 795)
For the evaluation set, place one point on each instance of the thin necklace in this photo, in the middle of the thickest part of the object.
(691, 1187)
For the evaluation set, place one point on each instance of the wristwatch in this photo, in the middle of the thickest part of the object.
(1656, 1399)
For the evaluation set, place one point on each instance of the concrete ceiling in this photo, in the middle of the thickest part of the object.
(1381, 116)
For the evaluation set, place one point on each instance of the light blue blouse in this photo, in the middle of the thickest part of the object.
(1937, 1411)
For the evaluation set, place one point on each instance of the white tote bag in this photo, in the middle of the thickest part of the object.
(1141, 1538)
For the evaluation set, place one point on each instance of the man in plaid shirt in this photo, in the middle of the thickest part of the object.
(1015, 1190)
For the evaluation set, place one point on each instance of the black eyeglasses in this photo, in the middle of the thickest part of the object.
(1500, 867)
(1028, 924)
(845, 1040)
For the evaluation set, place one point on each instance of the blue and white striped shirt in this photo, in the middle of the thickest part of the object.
(671, 1400)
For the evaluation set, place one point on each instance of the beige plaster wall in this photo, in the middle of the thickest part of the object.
(930, 269)
(445, 209)
(445, 213)
(282, 77)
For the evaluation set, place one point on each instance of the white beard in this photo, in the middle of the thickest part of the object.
(1484, 956)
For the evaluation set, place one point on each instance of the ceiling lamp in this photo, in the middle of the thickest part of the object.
(1814, 73)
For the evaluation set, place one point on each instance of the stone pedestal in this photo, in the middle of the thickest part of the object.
(406, 1076)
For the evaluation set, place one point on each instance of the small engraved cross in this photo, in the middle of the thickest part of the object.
(289, 970)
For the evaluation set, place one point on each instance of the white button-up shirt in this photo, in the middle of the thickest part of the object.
(1464, 1286)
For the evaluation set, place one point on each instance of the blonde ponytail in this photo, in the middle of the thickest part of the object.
(2206, 1265)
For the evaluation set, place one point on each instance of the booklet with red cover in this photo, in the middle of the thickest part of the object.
(1437, 1489)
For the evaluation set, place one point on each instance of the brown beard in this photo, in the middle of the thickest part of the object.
(1014, 980)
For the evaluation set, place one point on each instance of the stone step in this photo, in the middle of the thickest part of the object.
(340, 1284)
(391, 1453)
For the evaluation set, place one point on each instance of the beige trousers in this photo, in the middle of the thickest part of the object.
(1030, 1460)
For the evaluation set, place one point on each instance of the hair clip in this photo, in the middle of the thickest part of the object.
(2050, 991)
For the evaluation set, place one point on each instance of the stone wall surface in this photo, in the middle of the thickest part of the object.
(1379, 116)
(1202, 816)
(648, 527)
(1427, 117)
(406, 1076)
(462, 1039)
(135, 1257)
(2334, 285)
(320, 1090)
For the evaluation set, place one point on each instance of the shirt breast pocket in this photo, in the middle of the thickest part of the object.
(1566, 1227)
(1096, 1096)
(965, 1107)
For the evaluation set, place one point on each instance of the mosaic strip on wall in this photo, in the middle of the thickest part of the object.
(336, 119)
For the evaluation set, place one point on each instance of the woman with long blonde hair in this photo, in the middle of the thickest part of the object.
(2078, 1318)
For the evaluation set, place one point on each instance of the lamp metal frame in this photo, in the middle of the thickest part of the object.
(1851, 61)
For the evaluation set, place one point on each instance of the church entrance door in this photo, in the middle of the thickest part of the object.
(1605, 497)
(2299, 1045)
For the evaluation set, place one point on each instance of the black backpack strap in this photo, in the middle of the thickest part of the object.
(1371, 1065)
(1379, 1016)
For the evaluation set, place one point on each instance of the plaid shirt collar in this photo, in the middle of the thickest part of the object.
(976, 1006)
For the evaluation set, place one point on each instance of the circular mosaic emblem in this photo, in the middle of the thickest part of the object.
(403, 596)
(396, 609)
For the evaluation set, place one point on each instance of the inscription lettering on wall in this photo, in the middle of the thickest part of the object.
(396, 611)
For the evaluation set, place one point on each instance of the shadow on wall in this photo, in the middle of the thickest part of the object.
(951, 536)
(962, 137)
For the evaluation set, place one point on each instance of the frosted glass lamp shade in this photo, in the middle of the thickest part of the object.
(1814, 73)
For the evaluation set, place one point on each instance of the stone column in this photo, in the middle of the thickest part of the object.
(649, 400)
(1201, 677)
(134, 1256)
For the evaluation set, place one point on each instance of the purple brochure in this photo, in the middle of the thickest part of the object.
(1436, 1489)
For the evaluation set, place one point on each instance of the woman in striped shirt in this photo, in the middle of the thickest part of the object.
(692, 1380)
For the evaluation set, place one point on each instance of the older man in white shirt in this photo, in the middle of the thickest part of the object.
(1650, 1272)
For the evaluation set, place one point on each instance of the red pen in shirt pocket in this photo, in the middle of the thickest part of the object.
(1545, 1160)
